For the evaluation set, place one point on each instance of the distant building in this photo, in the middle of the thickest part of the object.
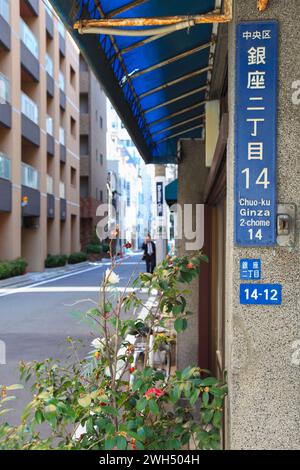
(93, 154)
(39, 138)
(134, 211)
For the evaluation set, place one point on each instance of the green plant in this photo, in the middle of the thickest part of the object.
(12, 268)
(91, 249)
(55, 261)
(152, 412)
(105, 247)
(75, 258)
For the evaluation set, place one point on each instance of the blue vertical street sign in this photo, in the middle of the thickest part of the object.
(255, 138)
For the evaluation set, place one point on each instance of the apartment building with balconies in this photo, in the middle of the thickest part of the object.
(39, 134)
(93, 153)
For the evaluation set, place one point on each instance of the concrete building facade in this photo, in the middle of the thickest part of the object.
(39, 143)
(93, 153)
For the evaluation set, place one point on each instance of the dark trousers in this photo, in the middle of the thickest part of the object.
(150, 263)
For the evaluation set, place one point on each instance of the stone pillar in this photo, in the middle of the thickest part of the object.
(160, 222)
(263, 366)
(192, 176)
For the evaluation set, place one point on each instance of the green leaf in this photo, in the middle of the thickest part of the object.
(175, 394)
(39, 417)
(209, 381)
(205, 398)
(177, 309)
(154, 408)
(141, 404)
(121, 443)
(137, 384)
(194, 397)
(109, 444)
(180, 324)
(217, 419)
(110, 410)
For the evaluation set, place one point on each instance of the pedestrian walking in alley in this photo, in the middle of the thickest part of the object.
(149, 256)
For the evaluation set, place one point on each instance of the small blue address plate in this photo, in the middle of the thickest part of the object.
(260, 294)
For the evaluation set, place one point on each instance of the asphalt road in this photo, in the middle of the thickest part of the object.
(34, 324)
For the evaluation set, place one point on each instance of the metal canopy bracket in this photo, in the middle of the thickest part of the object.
(178, 124)
(178, 98)
(176, 81)
(180, 133)
(214, 16)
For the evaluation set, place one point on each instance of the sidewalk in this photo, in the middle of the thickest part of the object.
(49, 273)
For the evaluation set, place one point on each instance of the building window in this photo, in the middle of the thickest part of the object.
(61, 81)
(62, 136)
(128, 194)
(73, 126)
(101, 122)
(73, 176)
(4, 10)
(5, 91)
(29, 39)
(49, 65)
(29, 176)
(29, 108)
(96, 115)
(49, 125)
(72, 77)
(101, 196)
(5, 167)
(101, 159)
(84, 145)
(84, 103)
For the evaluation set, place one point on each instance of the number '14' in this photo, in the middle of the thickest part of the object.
(262, 178)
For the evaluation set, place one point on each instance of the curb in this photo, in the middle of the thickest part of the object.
(49, 273)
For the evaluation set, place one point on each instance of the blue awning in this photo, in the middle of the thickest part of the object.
(171, 192)
(154, 119)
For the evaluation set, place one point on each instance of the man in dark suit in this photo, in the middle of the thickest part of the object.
(149, 256)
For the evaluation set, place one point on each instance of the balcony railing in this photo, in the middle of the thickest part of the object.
(5, 167)
(29, 39)
(49, 65)
(61, 29)
(30, 176)
(49, 125)
(62, 139)
(50, 185)
(4, 89)
(62, 190)
(61, 81)
(5, 9)
(29, 108)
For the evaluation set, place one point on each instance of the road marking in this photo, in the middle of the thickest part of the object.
(19, 290)
(42, 290)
